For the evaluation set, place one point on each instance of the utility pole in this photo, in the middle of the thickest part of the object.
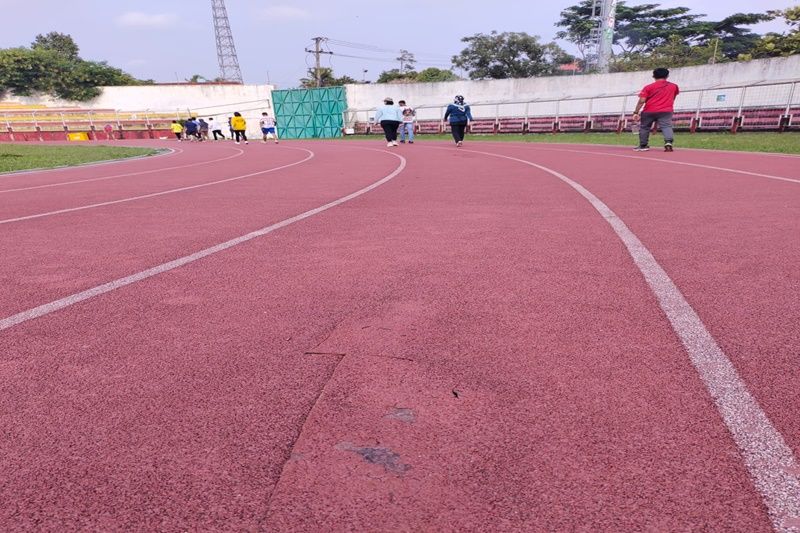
(317, 51)
(608, 20)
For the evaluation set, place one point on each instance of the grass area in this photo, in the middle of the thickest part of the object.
(786, 143)
(24, 157)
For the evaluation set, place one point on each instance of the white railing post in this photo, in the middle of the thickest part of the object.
(741, 101)
(791, 97)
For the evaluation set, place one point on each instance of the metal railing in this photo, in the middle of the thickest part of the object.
(781, 96)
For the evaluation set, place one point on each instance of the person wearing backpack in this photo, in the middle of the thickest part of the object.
(658, 101)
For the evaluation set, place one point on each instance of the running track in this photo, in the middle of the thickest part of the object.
(505, 337)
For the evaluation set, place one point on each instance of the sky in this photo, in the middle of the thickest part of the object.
(170, 40)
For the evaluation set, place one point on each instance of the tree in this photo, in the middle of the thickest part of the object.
(407, 61)
(51, 66)
(639, 28)
(676, 53)
(196, 78)
(509, 55)
(395, 75)
(433, 74)
(327, 79)
(728, 36)
(643, 29)
(60, 43)
(779, 44)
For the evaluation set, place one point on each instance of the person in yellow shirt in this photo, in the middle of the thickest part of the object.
(238, 125)
(177, 129)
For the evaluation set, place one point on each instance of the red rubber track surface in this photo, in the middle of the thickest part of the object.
(468, 347)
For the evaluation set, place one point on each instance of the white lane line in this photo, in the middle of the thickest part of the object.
(161, 193)
(165, 152)
(768, 458)
(102, 178)
(686, 163)
(56, 305)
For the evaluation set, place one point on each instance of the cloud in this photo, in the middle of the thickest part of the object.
(137, 19)
(284, 13)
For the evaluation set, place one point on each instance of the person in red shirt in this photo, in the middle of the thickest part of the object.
(658, 100)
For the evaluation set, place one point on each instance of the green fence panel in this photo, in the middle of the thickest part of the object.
(310, 113)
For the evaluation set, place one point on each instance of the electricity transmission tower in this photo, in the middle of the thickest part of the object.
(226, 51)
(602, 37)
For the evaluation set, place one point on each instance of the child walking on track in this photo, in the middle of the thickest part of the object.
(658, 100)
(267, 124)
(407, 127)
(238, 126)
(460, 115)
(389, 117)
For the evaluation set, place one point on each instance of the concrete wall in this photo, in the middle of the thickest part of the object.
(367, 97)
(202, 100)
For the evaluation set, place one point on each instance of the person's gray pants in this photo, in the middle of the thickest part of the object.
(664, 123)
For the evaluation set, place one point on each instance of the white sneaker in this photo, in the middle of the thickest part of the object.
(458, 144)
(246, 142)
(394, 143)
(237, 142)
(389, 144)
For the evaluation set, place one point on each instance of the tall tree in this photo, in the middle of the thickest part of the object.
(59, 43)
(779, 44)
(639, 28)
(729, 36)
(407, 61)
(52, 66)
(509, 55)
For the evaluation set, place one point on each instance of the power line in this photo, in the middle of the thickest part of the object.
(317, 51)
(373, 48)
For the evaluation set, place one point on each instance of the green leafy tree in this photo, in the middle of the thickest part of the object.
(395, 75)
(433, 74)
(52, 66)
(509, 55)
(327, 79)
(25, 71)
(675, 53)
(639, 28)
(779, 44)
(729, 36)
(196, 78)
(60, 43)
(643, 29)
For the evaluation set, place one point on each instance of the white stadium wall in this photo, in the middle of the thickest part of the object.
(202, 100)
(361, 98)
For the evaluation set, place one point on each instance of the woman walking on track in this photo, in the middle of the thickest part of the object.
(460, 116)
(389, 117)
(238, 125)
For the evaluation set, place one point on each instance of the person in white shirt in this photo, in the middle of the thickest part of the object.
(407, 126)
(388, 116)
(267, 124)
